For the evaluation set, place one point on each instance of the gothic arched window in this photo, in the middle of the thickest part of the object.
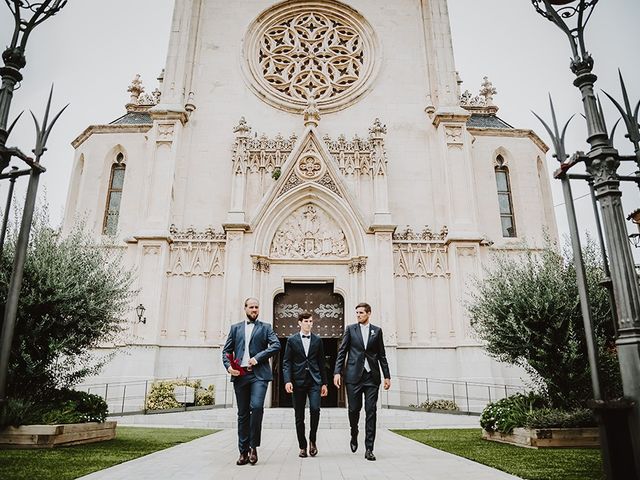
(114, 196)
(505, 202)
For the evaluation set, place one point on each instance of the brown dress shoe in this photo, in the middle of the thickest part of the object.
(253, 456)
(303, 453)
(243, 459)
(313, 450)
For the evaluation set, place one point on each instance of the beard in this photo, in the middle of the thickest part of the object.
(252, 316)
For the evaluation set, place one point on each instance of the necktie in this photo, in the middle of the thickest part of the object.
(306, 336)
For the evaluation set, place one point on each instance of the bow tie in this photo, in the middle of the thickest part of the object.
(306, 336)
(251, 322)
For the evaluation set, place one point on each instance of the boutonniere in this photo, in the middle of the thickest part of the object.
(371, 332)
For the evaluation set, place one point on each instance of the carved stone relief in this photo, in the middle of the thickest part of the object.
(195, 253)
(310, 233)
(454, 136)
(422, 254)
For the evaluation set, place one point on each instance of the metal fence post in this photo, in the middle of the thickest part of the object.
(426, 380)
(453, 390)
(144, 406)
(417, 395)
(466, 388)
(124, 395)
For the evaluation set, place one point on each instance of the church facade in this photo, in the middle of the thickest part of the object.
(312, 154)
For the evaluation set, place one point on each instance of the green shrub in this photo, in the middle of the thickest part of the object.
(74, 296)
(556, 418)
(206, 396)
(510, 412)
(16, 412)
(162, 394)
(526, 310)
(438, 405)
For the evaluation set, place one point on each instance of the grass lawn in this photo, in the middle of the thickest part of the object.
(72, 462)
(527, 463)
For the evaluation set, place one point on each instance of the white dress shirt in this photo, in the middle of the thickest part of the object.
(248, 330)
(364, 329)
(306, 342)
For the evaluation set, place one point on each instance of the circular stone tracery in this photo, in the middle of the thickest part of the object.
(300, 49)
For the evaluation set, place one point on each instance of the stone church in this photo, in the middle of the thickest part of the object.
(313, 154)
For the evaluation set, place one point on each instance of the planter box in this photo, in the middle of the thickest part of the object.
(548, 437)
(48, 436)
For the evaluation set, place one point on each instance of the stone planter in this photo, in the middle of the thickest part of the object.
(547, 437)
(49, 436)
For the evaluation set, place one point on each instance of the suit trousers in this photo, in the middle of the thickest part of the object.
(368, 388)
(300, 394)
(250, 394)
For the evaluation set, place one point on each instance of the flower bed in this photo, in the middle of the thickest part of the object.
(547, 438)
(49, 436)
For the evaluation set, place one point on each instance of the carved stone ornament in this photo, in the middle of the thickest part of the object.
(310, 165)
(454, 135)
(303, 49)
(309, 233)
(426, 234)
(196, 253)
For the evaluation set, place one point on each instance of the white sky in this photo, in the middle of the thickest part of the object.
(92, 49)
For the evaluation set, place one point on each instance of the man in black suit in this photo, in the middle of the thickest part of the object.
(304, 375)
(363, 349)
(251, 343)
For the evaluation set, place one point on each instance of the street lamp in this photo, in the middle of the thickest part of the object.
(26, 15)
(140, 309)
(602, 162)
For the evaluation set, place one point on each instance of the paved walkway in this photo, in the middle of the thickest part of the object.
(214, 456)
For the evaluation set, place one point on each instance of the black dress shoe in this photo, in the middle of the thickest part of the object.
(354, 443)
(253, 456)
(369, 455)
(303, 453)
(313, 450)
(243, 459)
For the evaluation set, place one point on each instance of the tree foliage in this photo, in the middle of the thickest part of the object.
(527, 311)
(73, 298)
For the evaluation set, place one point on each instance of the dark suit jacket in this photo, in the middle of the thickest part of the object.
(263, 345)
(352, 349)
(295, 363)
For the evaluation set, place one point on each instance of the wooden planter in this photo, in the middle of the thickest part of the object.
(547, 437)
(49, 436)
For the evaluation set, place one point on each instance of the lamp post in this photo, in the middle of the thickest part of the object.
(140, 309)
(602, 162)
(14, 60)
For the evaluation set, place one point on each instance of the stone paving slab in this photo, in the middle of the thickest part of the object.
(213, 457)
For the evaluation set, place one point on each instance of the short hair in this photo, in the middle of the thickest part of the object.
(303, 315)
(366, 306)
(249, 299)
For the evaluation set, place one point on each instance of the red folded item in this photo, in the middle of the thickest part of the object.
(235, 364)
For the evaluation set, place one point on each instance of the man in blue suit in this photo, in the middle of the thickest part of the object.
(252, 343)
(304, 375)
(362, 351)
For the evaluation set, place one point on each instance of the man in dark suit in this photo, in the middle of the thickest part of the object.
(363, 349)
(304, 375)
(251, 343)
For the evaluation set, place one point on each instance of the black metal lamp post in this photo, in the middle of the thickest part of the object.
(140, 309)
(621, 450)
(14, 61)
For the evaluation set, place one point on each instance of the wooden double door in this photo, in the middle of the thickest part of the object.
(327, 308)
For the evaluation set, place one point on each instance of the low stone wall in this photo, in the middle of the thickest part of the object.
(547, 437)
(49, 436)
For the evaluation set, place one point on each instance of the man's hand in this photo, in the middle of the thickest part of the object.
(324, 391)
(387, 383)
(288, 387)
(337, 380)
(253, 361)
(234, 373)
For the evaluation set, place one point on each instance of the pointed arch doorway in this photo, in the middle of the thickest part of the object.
(328, 312)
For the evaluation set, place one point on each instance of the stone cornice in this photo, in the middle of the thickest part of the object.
(516, 132)
(99, 129)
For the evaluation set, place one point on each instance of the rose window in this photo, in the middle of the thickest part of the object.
(303, 50)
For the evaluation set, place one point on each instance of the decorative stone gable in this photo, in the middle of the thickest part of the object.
(195, 253)
(309, 233)
(422, 254)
